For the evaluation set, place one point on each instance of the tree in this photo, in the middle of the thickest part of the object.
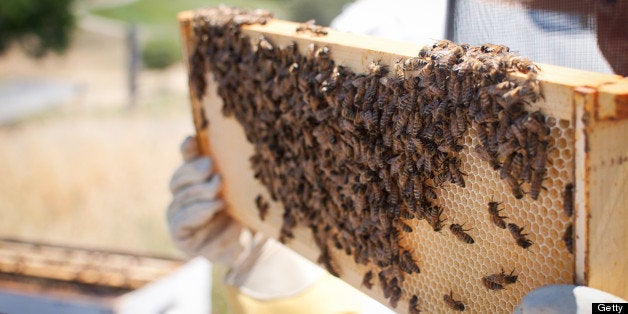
(38, 25)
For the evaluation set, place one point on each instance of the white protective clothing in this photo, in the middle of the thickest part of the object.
(395, 19)
(260, 267)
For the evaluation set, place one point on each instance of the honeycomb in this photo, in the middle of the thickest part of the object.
(449, 264)
(320, 147)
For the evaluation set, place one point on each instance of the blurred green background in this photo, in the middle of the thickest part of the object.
(157, 21)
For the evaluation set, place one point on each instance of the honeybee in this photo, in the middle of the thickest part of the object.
(515, 186)
(568, 238)
(262, 206)
(510, 278)
(413, 64)
(326, 260)
(536, 184)
(444, 43)
(405, 227)
(433, 217)
(456, 177)
(520, 133)
(491, 285)
(478, 66)
(506, 166)
(485, 155)
(494, 49)
(515, 230)
(526, 66)
(511, 63)
(526, 172)
(568, 199)
(452, 303)
(519, 237)
(407, 263)
(395, 295)
(310, 27)
(524, 242)
(429, 192)
(434, 92)
(264, 45)
(424, 51)
(541, 155)
(461, 233)
(493, 210)
(413, 307)
(502, 278)
(517, 165)
(535, 122)
(507, 148)
(367, 279)
(424, 73)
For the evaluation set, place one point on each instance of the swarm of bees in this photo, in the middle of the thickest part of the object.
(354, 157)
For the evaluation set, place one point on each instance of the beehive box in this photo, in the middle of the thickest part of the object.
(40, 277)
(291, 152)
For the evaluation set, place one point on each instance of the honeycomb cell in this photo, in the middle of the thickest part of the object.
(566, 154)
(564, 124)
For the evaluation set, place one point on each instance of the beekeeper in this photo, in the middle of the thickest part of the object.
(266, 277)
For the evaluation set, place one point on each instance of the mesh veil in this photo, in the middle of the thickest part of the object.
(550, 37)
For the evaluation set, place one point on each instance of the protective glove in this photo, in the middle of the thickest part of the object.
(261, 267)
(564, 299)
(198, 225)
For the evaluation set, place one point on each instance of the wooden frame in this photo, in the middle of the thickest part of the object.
(596, 103)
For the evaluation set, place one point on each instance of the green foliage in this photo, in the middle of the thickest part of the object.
(164, 12)
(38, 25)
(160, 53)
(323, 11)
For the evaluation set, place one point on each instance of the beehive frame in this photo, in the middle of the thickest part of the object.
(588, 107)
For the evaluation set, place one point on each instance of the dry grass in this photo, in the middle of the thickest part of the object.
(90, 179)
(91, 172)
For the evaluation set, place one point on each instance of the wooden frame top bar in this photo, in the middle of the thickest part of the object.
(357, 51)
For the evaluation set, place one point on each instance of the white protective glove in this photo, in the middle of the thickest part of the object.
(558, 299)
(261, 267)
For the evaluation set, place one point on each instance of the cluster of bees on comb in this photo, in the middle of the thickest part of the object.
(354, 157)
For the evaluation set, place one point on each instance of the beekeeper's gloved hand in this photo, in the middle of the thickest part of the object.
(558, 299)
(198, 225)
(260, 267)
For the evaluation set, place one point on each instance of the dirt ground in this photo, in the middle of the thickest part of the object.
(92, 172)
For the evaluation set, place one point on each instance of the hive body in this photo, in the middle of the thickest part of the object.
(331, 214)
